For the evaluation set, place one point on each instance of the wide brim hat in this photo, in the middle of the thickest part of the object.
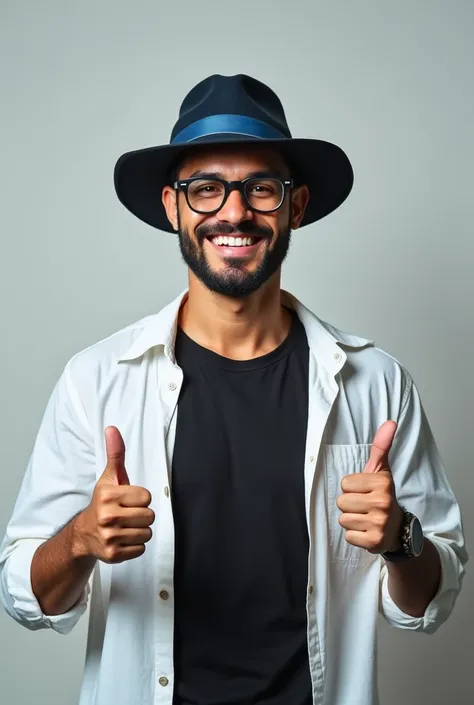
(228, 110)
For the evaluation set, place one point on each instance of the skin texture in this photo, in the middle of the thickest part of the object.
(233, 307)
(372, 518)
(115, 527)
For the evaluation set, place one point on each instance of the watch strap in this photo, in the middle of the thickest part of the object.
(406, 550)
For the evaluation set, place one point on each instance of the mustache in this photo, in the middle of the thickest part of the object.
(244, 228)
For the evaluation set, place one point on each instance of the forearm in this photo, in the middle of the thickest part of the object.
(414, 583)
(60, 570)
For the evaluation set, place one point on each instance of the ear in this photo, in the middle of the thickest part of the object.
(299, 202)
(169, 200)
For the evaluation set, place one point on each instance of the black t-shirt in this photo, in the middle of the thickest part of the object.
(242, 544)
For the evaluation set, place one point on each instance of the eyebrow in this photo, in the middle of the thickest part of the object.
(260, 174)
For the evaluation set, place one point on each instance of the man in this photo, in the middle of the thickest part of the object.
(287, 468)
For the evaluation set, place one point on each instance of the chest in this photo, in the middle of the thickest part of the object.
(242, 431)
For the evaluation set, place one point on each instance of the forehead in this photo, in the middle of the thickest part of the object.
(233, 162)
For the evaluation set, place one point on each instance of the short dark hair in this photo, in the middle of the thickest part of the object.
(173, 169)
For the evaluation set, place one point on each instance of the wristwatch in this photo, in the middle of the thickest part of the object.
(412, 540)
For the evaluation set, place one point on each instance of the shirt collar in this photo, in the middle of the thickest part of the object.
(326, 342)
(159, 329)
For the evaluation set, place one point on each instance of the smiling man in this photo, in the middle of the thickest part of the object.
(287, 468)
(243, 195)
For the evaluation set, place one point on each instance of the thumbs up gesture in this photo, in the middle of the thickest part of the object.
(116, 525)
(371, 514)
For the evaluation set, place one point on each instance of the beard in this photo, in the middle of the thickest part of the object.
(233, 281)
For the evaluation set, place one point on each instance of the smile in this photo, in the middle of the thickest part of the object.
(229, 241)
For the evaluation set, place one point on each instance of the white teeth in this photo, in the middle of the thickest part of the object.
(233, 241)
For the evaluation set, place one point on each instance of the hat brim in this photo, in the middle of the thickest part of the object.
(141, 175)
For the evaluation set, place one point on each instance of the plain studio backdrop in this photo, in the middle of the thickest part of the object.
(392, 83)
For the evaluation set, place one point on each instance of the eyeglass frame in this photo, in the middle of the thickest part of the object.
(183, 184)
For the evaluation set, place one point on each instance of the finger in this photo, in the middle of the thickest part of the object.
(126, 553)
(360, 482)
(115, 472)
(358, 538)
(383, 439)
(354, 503)
(134, 537)
(133, 496)
(354, 522)
(136, 518)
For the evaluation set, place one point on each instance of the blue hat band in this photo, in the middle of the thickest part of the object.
(227, 124)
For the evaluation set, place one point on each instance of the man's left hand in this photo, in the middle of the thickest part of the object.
(371, 514)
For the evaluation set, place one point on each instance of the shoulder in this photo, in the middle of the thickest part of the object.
(368, 369)
(101, 360)
(374, 372)
(365, 361)
(129, 344)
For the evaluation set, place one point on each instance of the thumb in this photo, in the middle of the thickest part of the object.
(383, 439)
(115, 472)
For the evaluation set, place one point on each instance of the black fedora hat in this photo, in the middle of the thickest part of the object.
(230, 109)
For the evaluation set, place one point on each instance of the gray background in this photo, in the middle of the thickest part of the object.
(391, 82)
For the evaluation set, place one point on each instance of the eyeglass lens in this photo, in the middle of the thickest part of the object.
(206, 195)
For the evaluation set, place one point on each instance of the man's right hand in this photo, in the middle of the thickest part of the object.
(116, 525)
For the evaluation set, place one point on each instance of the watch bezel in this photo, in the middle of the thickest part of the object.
(416, 551)
(408, 548)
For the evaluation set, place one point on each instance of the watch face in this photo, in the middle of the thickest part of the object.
(417, 538)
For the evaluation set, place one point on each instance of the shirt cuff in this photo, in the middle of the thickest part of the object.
(440, 606)
(19, 599)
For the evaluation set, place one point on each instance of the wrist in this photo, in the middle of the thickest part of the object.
(79, 544)
(397, 542)
(411, 539)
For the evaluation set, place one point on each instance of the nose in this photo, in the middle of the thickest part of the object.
(235, 210)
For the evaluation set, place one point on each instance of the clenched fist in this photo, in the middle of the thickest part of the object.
(371, 514)
(116, 525)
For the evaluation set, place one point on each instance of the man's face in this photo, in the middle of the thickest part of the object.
(216, 247)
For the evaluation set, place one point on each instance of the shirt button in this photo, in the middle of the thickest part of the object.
(337, 357)
(164, 594)
(311, 458)
(172, 386)
(310, 589)
(163, 681)
(167, 491)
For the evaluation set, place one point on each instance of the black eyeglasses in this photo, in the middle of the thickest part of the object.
(208, 195)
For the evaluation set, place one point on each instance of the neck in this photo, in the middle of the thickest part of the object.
(240, 329)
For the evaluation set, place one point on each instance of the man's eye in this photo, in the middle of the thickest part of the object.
(205, 189)
(260, 188)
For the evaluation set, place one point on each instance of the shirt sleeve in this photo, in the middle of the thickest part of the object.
(57, 485)
(423, 488)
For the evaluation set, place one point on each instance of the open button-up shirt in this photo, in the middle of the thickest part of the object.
(131, 380)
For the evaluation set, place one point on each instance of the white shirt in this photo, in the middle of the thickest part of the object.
(131, 380)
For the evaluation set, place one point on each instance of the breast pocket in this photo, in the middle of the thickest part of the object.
(339, 461)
